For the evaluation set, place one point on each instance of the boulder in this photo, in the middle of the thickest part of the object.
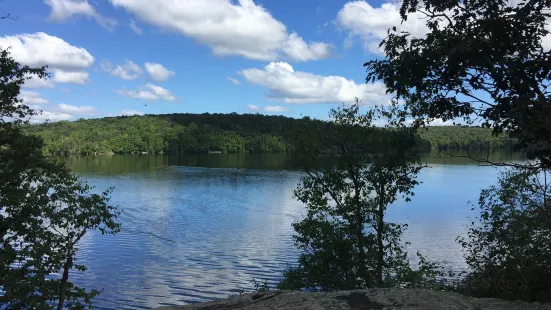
(384, 299)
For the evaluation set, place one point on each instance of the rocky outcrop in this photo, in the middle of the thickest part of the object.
(393, 298)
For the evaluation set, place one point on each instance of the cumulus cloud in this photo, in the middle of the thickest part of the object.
(148, 92)
(48, 116)
(287, 85)
(41, 49)
(370, 24)
(228, 27)
(130, 112)
(31, 97)
(275, 109)
(61, 112)
(34, 81)
(76, 110)
(157, 72)
(296, 49)
(234, 80)
(269, 108)
(74, 77)
(63, 10)
(440, 122)
(126, 71)
(137, 30)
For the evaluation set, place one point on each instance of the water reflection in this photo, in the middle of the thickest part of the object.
(193, 234)
(122, 164)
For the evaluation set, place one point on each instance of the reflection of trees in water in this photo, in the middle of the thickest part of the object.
(121, 164)
(113, 165)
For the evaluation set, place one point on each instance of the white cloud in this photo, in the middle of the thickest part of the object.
(126, 71)
(440, 122)
(370, 24)
(74, 77)
(234, 80)
(31, 97)
(40, 49)
(296, 49)
(286, 85)
(268, 108)
(50, 116)
(546, 41)
(130, 112)
(228, 27)
(36, 82)
(76, 110)
(148, 92)
(275, 109)
(63, 10)
(137, 30)
(62, 112)
(157, 72)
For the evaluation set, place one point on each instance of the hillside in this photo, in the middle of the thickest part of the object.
(226, 133)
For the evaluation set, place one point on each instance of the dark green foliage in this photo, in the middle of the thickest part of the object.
(45, 210)
(464, 138)
(175, 134)
(482, 60)
(509, 247)
(344, 240)
(227, 133)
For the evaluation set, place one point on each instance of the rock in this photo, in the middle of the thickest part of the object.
(384, 299)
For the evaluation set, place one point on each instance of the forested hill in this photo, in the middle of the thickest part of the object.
(202, 133)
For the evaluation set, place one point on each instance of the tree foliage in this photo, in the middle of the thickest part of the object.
(45, 209)
(486, 61)
(509, 248)
(344, 239)
(482, 60)
(227, 133)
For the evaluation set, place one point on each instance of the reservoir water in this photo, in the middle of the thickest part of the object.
(207, 225)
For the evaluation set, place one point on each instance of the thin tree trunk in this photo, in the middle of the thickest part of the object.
(361, 246)
(380, 246)
(64, 279)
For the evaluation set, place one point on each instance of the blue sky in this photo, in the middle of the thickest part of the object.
(219, 56)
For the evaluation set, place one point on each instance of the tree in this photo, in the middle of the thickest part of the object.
(354, 170)
(487, 61)
(481, 60)
(509, 248)
(45, 209)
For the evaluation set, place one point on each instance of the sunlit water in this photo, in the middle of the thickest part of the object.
(207, 225)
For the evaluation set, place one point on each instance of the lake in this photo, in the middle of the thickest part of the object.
(209, 224)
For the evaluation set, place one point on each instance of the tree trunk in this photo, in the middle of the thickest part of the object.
(380, 246)
(63, 282)
(361, 246)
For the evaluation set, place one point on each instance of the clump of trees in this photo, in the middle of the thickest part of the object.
(484, 61)
(509, 247)
(345, 241)
(45, 209)
(227, 133)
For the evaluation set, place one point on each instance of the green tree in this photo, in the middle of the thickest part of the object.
(480, 60)
(344, 238)
(485, 60)
(509, 248)
(45, 209)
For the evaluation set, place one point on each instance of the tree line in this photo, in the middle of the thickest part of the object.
(226, 133)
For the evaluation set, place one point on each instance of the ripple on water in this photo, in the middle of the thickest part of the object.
(195, 234)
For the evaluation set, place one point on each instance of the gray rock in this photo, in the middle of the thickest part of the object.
(383, 299)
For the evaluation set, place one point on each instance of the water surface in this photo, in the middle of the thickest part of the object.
(208, 224)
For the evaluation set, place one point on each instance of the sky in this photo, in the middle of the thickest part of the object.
(125, 57)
